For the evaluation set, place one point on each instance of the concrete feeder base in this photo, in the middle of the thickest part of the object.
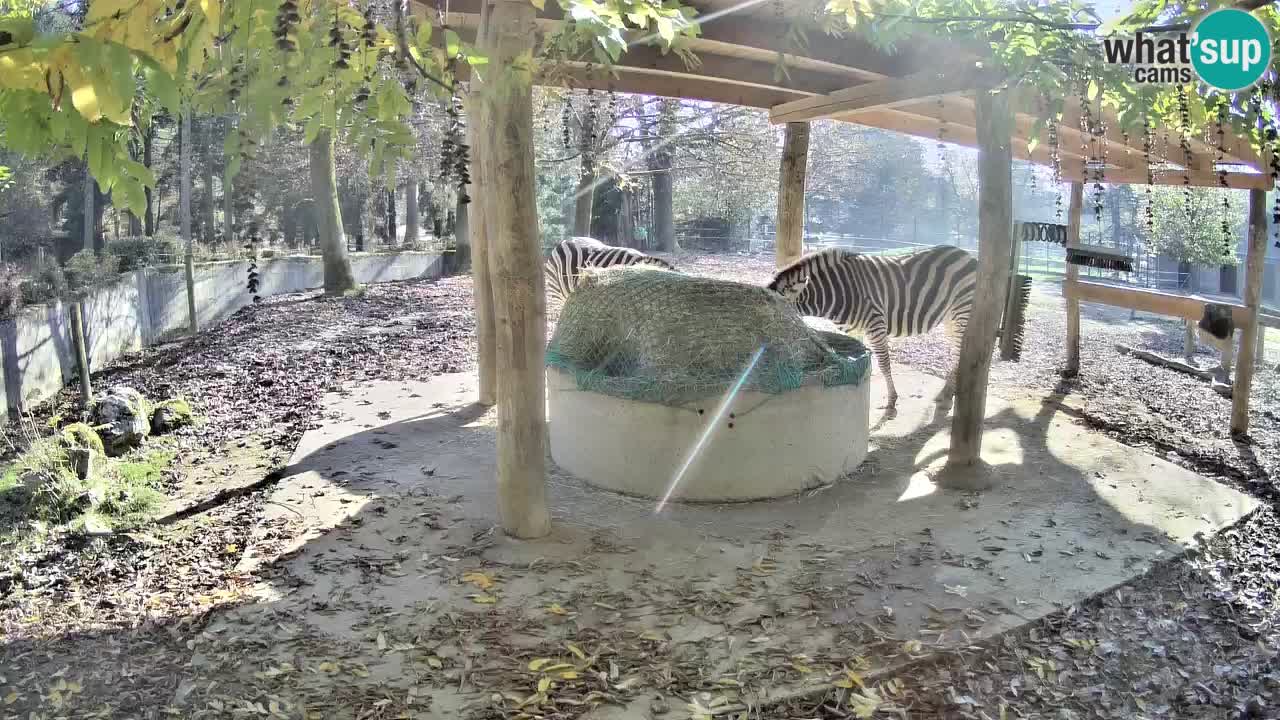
(764, 446)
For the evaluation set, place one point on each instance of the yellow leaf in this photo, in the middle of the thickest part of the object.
(231, 549)
(327, 667)
(805, 669)
(536, 665)
(435, 663)
(569, 675)
(851, 679)
(540, 4)
(483, 599)
(577, 651)
(479, 579)
(544, 685)
(11, 698)
(20, 71)
(555, 609)
(360, 671)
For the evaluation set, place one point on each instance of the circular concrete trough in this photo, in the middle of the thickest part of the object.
(762, 446)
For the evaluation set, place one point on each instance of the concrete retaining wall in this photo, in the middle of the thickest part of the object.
(144, 306)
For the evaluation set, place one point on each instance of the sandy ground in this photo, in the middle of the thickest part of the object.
(112, 628)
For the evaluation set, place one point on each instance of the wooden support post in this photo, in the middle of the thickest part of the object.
(516, 260)
(1261, 349)
(1188, 339)
(481, 239)
(791, 179)
(82, 352)
(1073, 274)
(995, 233)
(1007, 335)
(1252, 299)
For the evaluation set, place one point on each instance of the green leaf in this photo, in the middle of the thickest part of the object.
(452, 43)
(314, 126)
(424, 35)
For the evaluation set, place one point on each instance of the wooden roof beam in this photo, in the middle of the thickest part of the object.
(1074, 170)
(880, 94)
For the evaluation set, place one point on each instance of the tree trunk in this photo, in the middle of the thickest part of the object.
(207, 222)
(412, 222)
(520, 307)
(481, 237)
(789, 243)
(1254, 260)
(584, 193)
(149, 218)
(184, 188)
(626, 221)
(995, 232)
(338, 278)
(228, 217)
(462, 238)
(660, 161)
(393, 223)
(90, 217)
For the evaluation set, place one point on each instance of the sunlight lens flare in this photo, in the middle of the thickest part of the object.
(712, 422)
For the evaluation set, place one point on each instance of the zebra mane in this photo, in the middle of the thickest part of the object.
(825, 256)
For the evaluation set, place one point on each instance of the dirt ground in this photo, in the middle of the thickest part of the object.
(120, 627)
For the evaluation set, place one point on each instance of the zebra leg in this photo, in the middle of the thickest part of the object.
(955, 327)
(879, 341)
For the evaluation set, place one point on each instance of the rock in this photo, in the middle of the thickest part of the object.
(86, 501)
(124, 413)
(81, 435)
(81, 461)
(171, 415)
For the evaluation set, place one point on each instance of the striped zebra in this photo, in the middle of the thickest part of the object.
(886, 297)
(567, 260)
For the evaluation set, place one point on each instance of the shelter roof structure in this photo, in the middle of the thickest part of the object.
(914, 88)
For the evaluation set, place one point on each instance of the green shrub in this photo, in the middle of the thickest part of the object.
(10, 291)
(86, 270)
(140, 252)
(45, 283)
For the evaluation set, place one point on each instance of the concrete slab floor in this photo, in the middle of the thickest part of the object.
(386, 526)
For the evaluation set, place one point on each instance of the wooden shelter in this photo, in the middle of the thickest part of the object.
(921, 87)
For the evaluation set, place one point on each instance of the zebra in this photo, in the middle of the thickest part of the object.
(886, 297)
(567, 260)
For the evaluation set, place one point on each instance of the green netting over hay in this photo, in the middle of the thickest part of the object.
(659, 336)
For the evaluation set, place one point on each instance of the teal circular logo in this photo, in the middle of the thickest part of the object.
(1230, 49)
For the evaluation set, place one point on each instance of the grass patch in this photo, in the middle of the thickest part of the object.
(43, 485)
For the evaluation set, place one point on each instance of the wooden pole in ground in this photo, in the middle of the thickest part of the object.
(480, 239)
(1073, 274)
(82, 352)
(516, 260)
(1188, 339)
(995, 233)
(789, 243)
(1007, 336)
(1252, 299)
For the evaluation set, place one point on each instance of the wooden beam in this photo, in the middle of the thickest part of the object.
(995, 239)
(789, 239)
(1074, 210)
(1189, 307)
(1252, 300)
(1074, 170)
(687, 87)
(520, 305)
(887, 93)
(754, 37)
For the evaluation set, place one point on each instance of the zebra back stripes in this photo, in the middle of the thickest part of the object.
(565, 263)
(885, 296)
